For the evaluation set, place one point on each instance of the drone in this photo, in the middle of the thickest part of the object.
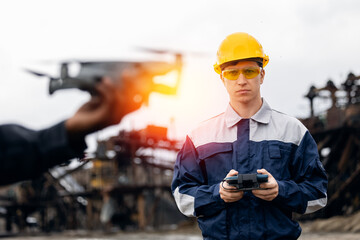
(91, 72)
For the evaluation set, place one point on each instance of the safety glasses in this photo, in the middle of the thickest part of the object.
(233, 74)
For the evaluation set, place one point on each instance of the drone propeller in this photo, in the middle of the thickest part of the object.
(152, 50)
(39, 74)
(178, 53)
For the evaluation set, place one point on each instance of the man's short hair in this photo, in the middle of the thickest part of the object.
(259, 61)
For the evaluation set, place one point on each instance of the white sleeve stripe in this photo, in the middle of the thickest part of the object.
(316, 205)
(185, 203)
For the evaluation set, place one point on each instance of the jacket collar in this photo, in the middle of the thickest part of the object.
(261, 116)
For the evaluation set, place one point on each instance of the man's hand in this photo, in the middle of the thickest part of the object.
(229, 196)
(112, 101)
(272, 187)
(99, 112)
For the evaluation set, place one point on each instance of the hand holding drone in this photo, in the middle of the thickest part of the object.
(117, 88)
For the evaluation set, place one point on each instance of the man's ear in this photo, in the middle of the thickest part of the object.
(262, 75)
(222, 78)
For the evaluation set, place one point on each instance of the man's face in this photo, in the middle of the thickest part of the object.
(243, 90)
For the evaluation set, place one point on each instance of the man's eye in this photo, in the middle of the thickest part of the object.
(233, 73)
(249, 71)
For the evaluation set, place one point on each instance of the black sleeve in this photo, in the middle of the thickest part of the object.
(25, 153)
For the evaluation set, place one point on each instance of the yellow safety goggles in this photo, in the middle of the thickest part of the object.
(233, 74)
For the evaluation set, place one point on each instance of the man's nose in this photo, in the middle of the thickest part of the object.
(241, 79)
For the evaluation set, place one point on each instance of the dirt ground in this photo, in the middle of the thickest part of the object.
(167, 236)
(330, 236)
(177, 236)
(336, 228)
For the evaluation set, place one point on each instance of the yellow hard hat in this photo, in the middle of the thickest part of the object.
(239, 46)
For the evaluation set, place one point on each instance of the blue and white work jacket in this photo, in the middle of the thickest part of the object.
(270, 140)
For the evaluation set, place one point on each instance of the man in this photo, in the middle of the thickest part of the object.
(25, 153)
(249, 137)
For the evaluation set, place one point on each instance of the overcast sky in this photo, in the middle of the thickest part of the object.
(308, 42)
